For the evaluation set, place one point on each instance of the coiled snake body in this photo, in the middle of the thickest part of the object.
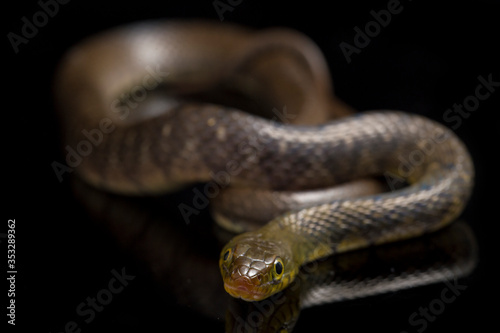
(156, 105)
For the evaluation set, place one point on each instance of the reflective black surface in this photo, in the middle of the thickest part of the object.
(77, 270)
(183, 261)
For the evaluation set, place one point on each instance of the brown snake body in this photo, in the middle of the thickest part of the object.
(162, 105)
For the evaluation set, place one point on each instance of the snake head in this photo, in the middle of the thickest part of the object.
(253, 268)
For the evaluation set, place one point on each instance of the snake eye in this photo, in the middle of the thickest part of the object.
(227, 255)
(278, 268)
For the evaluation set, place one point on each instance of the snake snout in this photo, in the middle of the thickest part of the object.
(244, 287)
(245, 281)
(245, 272)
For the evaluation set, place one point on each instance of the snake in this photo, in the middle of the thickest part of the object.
(154, 106)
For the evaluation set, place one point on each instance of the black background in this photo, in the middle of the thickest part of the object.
(428, 58)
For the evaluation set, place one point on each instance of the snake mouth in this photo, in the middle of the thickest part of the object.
(244, 289)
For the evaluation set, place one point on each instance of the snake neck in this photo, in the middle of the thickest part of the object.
(304, 245)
